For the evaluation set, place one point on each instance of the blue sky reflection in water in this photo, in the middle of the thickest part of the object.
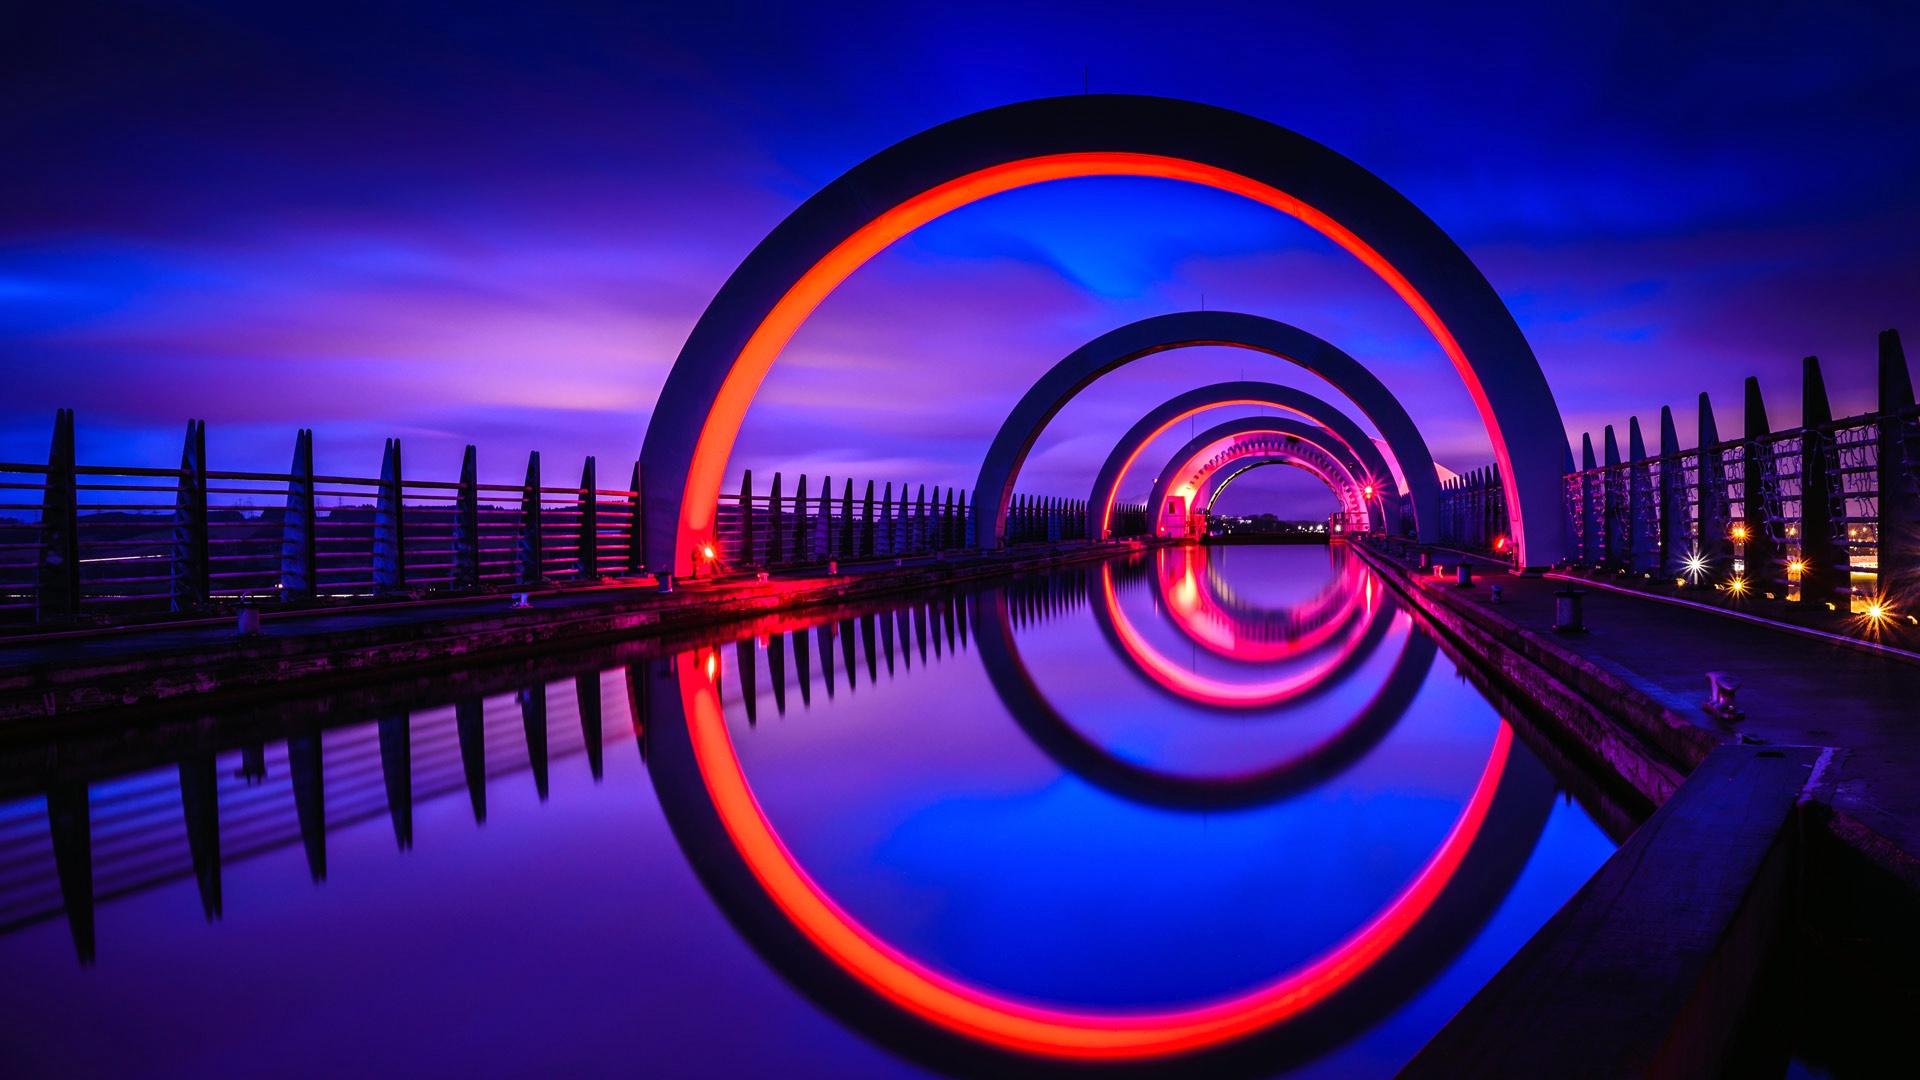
(574, 936)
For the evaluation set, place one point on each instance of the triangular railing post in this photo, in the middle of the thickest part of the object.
(189, 580)
(57, 580)
(466, 523)
(531, 561)
(587, 551)
(299, 555)
(389, 526)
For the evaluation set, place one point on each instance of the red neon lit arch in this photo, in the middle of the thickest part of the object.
(1013, 1025)
(763, 346)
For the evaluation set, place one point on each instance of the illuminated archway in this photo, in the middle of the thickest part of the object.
(758, 309)
(1205, 611)
(1191, 467)
(993, 490)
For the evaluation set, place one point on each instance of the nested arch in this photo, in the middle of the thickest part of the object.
(1267, 438)
(1346, 374)
(758, 309)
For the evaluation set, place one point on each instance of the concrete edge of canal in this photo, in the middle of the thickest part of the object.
(1660, 965)
(167, 668)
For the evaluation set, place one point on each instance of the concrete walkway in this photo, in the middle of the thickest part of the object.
(1796, 690)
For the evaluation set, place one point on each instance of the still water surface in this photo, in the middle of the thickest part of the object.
(1213, 810)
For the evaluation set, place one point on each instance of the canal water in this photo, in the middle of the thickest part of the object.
(1205, 811)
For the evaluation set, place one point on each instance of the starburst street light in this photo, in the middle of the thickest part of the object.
(1796, 567)
(1737, 586)
(1696, 565)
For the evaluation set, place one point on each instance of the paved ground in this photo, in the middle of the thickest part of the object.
(1796, 690)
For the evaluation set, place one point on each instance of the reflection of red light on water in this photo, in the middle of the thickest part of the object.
(978, 1014)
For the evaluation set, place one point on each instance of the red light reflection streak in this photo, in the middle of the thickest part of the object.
(1197, 687)
(980, 1015)
(783, 320)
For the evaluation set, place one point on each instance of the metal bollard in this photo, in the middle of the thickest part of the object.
(1721, 686)
(1463, 576)
(1569, 614)
(663, 579)
(1495, 590)
(522, 600)
(1426, 559)
(249, 620)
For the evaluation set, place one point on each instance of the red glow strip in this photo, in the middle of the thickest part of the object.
(699, 497)
(977, 1014)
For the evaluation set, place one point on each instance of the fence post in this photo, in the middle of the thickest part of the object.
(776, 539)
(466, 523)
(846, 522)
(57, 583)
(190, 582)
(1897, 548)
(823, 531)
(531, 557)
(587, 554)
(636, 530)
(1643, 528)
(920, 521)
(802, 539)
(1823, 577)
(746, 521)
(1615, 502)
(1673, 498)
(389, 528)
(886, 528)
(866, 524)
(299, 559)
(1711, 531)
(1764, 571)
(1589, 513)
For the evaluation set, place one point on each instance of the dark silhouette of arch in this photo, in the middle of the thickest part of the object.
(1349, 488)
(750, 319)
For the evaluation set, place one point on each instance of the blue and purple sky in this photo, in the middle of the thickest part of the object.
(495, 223)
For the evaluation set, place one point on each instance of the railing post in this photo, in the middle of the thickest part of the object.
(1643, 527)
(57, 582)
(1824, 578)
(190, 582)
(1590, 514)
(466, 523)
(389, 527)
(1764, 571)
(1712, 526)
(846, 521)
(299, 558)
(866, 524)
(531, 554)
(802, 537)
(1616, 505)
(636, 531)
(588, 551)
(1897, 548)
(1673, 498)
(776, 539)
(746, 520)
(920, 521)
(823, 529)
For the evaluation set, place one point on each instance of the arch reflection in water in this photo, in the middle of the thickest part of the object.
(919, 1006)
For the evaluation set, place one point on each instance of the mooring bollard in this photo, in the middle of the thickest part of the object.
(833, 567)
(1721, 686)
(249, 619)
(1463, 576)
(522, 600)
(1569, 614)
(1495, 591)
(1426, 559)
(663, 580)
